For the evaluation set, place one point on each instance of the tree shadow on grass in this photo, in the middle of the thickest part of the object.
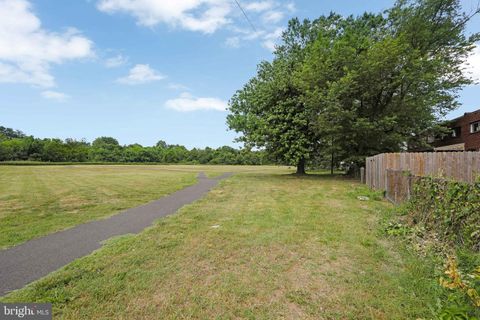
(318, 176)
(321, 176)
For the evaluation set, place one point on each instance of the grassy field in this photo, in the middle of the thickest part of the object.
(38, 200)
(259, 246)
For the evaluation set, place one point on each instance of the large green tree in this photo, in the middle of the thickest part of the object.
(269, 109)
(105, 149)
(345, 88)
(385, 80)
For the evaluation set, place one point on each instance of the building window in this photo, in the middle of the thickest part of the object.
(475, 127)
(456, 132)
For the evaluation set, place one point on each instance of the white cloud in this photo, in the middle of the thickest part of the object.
(27, 51)
(259, 6)
(472, 67)
(196, 15)
(291, 7)
(268, 16)
(208, 16)
(273, 16)
(233, 42)
(116, 61)
(270, 40)
(141, 73)
(177, 86)
(269, 45)
(186, 103)
(55, 95)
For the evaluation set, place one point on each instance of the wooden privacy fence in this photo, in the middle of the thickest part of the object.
(460, 166)
(399, 185)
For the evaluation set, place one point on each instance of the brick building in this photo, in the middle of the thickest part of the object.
(465, 134)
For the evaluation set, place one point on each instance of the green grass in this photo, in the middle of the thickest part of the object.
(259, 246)
(38, 200)
(35, 201)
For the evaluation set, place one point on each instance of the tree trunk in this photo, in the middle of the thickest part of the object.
(301, 166)
(332, 163)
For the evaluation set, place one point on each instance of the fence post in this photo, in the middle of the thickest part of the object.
(410, 185)
(362, 175)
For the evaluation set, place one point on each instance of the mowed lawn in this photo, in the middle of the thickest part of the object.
(259, 246)
(38, 200)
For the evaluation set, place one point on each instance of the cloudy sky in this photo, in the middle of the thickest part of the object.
(145, 70)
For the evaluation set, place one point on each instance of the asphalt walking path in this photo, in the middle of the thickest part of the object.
(34, 259)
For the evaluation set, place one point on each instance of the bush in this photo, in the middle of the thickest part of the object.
(451, 209)
(442, 220)
(463, 298)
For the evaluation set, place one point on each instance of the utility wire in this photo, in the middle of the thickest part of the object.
(245, 14)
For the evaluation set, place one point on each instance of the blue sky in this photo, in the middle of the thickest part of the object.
(145, 70)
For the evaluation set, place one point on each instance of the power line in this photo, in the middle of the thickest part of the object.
(245, 14)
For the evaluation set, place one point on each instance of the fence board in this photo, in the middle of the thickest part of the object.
(461, 166)
(399, 185)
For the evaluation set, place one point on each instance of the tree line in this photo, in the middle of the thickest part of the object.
(342, 88)
(17, 146)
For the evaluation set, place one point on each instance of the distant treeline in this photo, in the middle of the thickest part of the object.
(17, 146)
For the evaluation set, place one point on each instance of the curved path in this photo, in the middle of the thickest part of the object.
(34, 259)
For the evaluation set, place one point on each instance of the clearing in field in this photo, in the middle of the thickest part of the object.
(261, 245)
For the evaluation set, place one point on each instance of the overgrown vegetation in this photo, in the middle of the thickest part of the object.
(442, 222)
(16, 146)
(460, 280)
(451, 209)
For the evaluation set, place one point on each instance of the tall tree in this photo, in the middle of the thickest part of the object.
(377, 82)
(269, 110)
(350, 87)
(105, 149)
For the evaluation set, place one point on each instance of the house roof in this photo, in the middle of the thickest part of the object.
(465, 114)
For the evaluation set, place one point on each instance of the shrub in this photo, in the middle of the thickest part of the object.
(463, 298)
(451, 209)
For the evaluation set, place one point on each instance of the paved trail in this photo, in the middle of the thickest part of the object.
(34, 259)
